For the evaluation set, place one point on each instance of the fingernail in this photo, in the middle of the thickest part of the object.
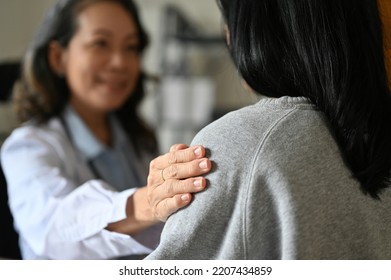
(203, 164)
(198, 184)
(185, 197)
(198, 152)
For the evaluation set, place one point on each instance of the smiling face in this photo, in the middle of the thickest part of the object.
(102, 61)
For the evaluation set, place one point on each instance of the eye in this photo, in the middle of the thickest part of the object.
(100, 43)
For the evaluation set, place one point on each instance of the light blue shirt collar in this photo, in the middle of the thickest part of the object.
(118, 165)
(83, 138)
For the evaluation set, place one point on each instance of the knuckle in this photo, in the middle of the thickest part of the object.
(152, 180)
(172, 171)
(187, 155)
(174, 147)
(177, 147)
(152, 164)
(170, 187)
(172, 158)
(166, 211)
(188, 185)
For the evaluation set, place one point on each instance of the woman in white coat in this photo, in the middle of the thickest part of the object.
(77, 165)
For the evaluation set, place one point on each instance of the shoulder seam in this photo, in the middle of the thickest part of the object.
(249, 179)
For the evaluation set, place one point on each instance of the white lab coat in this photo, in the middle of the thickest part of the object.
(60, 210)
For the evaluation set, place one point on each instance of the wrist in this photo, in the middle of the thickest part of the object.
(138, 214)
(137, 207)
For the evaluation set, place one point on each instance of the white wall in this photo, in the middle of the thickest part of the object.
(18, 20)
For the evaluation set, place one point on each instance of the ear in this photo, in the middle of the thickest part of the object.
(56, 54)
(246, 86)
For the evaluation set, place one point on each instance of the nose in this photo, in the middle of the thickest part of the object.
(118, 60)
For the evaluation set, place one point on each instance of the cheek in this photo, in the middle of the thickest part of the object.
(80, 73)
(75, 78)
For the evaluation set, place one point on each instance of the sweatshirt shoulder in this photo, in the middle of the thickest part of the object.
(247, 122)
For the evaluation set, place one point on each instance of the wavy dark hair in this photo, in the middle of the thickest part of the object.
(330, 52)
(41, 94)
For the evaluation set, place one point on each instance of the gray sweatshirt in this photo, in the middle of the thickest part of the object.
(279, 190)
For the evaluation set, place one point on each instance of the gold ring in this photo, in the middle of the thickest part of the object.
(163, 176)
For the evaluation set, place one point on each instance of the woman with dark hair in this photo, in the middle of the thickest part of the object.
(304, 173)
(76, 167)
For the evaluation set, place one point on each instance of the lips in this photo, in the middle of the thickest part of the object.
(114, 84)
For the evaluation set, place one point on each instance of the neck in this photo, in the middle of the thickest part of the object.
(96, 121)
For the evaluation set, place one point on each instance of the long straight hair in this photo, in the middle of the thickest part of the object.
(330, 51)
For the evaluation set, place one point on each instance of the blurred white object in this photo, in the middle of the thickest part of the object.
(187, 102)
(187, 105)
(203, 101)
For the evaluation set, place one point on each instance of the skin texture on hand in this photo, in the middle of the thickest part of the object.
(172, 179)
(174, 176)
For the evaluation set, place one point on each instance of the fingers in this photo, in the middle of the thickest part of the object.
(178, 154)
(177, 147)
(170, 205)
(187, 169)
(173, 195)
(174, 187)
(177, 194)
(173, 178)
(190, 163)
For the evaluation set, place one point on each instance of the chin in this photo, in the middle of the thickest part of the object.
(111, 107)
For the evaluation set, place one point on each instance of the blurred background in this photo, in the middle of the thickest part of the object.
(192, 83)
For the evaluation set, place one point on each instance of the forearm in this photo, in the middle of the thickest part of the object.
(63, 236)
